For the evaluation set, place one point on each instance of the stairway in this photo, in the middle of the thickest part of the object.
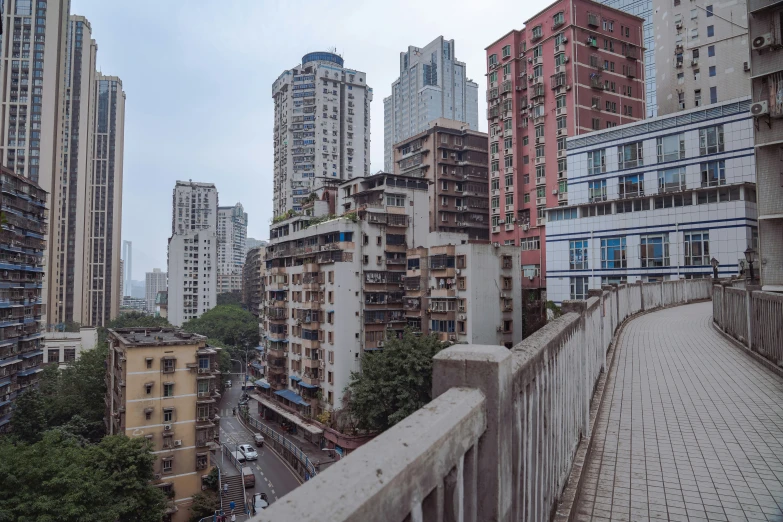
(235, 493)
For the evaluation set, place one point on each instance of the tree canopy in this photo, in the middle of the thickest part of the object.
(228, 324)
(60, 479)
(394, 382)
(230, 298)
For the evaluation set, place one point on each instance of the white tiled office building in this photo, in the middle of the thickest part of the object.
(655, 200)
(321, 128)
(232, 238)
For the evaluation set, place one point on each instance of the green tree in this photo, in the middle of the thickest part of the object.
(204, 504)
(228, 324)
(59, 479)
(393, 383)
(230, 298)
(29, 419)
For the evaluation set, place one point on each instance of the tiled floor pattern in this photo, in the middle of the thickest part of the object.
(691, 429)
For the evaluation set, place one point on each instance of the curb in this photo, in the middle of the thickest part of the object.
(572, 492)
(755, 356)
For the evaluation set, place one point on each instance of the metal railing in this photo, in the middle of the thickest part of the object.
(282, 441)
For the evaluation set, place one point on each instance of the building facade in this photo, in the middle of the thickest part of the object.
(63, 348)
(654, 201)
(575, 68)
(766, 65)
(66, 303)
(432, 84)
(643, 9)
(156, 282)
(701, 53)
(192, 254)
(104, 226)
(232, 238)
(321, 128)
(455, 159)
(252, 243)
(127, 267)
(253, 281)
(162, 384)
(22, 244)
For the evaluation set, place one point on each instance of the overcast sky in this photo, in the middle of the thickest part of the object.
(198, 78)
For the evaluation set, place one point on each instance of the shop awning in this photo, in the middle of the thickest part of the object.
(291, 396)
(271, 404)
(263, 384)
(305, 385)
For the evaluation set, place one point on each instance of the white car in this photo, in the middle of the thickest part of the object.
(248, 451)
(228, 383)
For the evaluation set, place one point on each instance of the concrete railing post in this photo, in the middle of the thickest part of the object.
(641, 294)
(489, 369)
(580, 307)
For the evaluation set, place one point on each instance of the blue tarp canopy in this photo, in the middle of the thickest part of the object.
(257, 365)
(32, 354)
(295, 378)
(305, 385)
(5, 381)
(291, 396)
(260, 348)
(29, 371)
(262, 384)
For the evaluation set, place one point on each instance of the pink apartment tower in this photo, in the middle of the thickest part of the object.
(575, 67)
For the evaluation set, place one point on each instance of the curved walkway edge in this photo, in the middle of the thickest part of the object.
(689, 428)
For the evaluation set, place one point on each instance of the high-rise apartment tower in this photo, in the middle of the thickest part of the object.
(232, 238)
(321, 128)
(432, 84)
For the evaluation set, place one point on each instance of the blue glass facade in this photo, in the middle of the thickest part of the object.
(322, 57)
(642, 9)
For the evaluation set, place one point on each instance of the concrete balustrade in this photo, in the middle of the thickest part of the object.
(750, 316)
(499, 439)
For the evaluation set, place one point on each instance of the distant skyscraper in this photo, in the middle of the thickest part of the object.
(432, 84)
(127, 271)
(643, 9)
(321, 128)
(105, 202)
(252, 243)
(193, 248)
(155, 282)
(232, 238)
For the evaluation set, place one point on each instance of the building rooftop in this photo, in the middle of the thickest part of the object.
(155, 336)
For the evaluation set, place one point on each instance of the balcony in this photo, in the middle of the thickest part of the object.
(597, 83)
(631, 51)
(443, 292)
(311, 363)
(592, 20)
(312, 344)
(541, 202)
(312, 380)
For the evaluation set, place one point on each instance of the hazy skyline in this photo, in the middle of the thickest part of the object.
(199, 79)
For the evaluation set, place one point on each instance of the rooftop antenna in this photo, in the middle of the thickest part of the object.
(333, 50)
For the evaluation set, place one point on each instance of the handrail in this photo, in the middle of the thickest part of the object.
(239, 467)
(290, 446)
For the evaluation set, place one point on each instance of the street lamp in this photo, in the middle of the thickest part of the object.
(715, 264)
(749, 258)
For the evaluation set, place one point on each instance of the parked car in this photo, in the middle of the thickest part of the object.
(260, 501)
(248, 451)
(249, 477)
(228, 383)
(243, 401)
(259, 440)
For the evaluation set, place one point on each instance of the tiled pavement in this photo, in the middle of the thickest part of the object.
(690, 429)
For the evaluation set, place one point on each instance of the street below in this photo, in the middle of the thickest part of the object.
(273, 476)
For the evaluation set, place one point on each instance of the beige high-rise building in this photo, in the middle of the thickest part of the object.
(162, 384)
(32, 58)
(102, 280)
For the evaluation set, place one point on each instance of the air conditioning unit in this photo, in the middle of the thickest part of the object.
(156, 476)
(568, 87)
(762, 42)
(565, 39)
(458, 271)
(519, 87)
(746, 67)
(380, 344)
(167, 427)
(462, 317)
(565, 59)
(759, 108)
(554, 192)
(177, 443)
(501, 222)
(496, 244)
(525, 227)
(499, 328)
(531, 277)
(595, 106)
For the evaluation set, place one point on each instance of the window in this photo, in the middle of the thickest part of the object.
(69, 355)
(557, 20)
(493, 76)
(697, 248)
(561, 122)
(694, 33)
(654, 250)
(538, 71)
(630, 156)
(527, 197)
(614, 280)
(168, 365)
(711, 140)
(596, 162)
(507, 70)
(697, 97)
(631, 186)
(578, 288)
(613, 254)
(596, 124)
(694, 14)
(710, 30)
(713, 95)
(506, 51)
(559, 39)
(493, 60)
(681, 100)
(711, 51)
(608, 26)
(578, 254)
(713, 173)
(52, 356)
(540, 151)
(560, 59)
(168, 389)
(561, 144)
(168, 464)
(507, 143)
(597, 190)
(671, 180)
(709, 10)
(680, 78)
(560, 102)
(168, 415)
(712, 70)
(671, 148)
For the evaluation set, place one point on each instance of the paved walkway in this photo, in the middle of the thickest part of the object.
(691, 428)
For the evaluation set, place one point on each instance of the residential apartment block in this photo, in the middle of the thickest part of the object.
(63, 348)
(701, 53)
(192, 255)
(22, 243)
(432, 84)
(162, 384)
(575, 68)
(155, 281)
(656, 200)
(643, 9)
(127, 267)
(336, 287)
(766, 63)
(253, 281)
(321, 128)
(232, 237)
(455, 160)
